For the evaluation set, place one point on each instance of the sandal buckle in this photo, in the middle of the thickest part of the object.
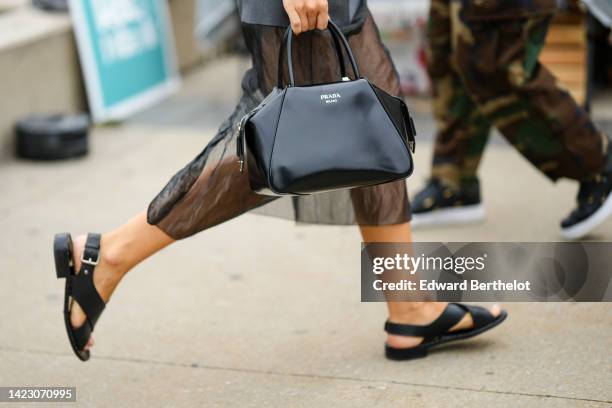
(89, 260)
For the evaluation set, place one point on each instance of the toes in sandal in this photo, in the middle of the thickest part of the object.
(79, 288)
(437, 332)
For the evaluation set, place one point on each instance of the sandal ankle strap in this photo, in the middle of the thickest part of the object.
(83, 289)
(91, 252)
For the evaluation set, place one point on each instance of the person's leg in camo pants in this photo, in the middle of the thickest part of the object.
(483, 62)
(462, 131)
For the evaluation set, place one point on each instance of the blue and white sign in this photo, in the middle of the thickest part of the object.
(127, 53)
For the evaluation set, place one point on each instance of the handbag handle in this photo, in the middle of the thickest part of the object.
(283, 47)
(340, 42)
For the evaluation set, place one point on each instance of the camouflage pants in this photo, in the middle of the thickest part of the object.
(485, 73)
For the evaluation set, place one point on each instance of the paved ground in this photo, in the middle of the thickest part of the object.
(223, 319)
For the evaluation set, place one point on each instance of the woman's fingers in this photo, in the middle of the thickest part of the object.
(322, 20)
(303, 19)
(312, 12)
(306, 15)
(312, 21)
(294, 19)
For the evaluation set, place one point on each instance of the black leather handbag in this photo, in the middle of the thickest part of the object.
(322, 137)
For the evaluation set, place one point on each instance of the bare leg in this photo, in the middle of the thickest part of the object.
(120, 250)
(136, 240)
(416, 313)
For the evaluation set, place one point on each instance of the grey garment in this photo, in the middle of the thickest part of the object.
(272, 12)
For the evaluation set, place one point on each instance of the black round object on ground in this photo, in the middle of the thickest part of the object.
(51, 5)
(52, 137)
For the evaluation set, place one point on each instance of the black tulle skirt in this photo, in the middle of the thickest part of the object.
(210, 189)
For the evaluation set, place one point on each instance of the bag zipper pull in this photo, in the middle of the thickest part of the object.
(240, 146)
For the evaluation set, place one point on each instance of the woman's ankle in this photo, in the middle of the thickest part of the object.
(109, 270)
(113, 253)
(111, 259)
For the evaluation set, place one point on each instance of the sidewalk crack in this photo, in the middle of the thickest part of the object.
(303, 375)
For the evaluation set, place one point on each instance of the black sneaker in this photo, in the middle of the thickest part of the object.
(440, 204)
(594, 206)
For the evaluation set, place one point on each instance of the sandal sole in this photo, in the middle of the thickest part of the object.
(62, 252)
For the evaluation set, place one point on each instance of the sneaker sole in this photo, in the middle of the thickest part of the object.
(468, 214)
(582, 228)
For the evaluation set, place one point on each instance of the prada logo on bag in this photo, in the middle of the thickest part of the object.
(330, 98)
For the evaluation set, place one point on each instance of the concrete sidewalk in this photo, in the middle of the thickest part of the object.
(260, 312)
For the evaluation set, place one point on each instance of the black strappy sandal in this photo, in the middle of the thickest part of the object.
(437, 332)
(79, 288)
